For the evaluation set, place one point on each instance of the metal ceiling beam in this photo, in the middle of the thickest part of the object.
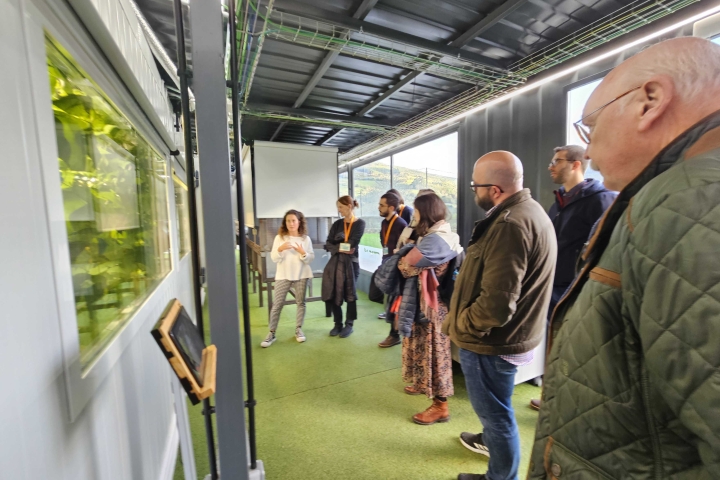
(318, 115)
(326, 63)
(465, 38)
(329, 136)
(389, 93)
(490, 20)
(351, 23)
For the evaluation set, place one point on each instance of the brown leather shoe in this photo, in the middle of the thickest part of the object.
(535, 404)
(390, 341)
(410, 390)
(436, 413)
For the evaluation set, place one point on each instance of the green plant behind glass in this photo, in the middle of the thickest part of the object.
(115, 201)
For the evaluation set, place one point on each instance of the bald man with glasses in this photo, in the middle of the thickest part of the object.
(632, 378)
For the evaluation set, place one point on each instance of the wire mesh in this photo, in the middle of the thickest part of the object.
(304, 120)
(322, 35)
(624, 20)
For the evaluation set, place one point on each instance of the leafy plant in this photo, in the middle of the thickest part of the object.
(115, 200)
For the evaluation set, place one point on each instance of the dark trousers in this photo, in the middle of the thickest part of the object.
(393, 332)
(351, 306)
(490, 381)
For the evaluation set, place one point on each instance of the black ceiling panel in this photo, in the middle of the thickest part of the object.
(350, 84)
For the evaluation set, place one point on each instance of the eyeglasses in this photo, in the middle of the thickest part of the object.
(583, 131)
(478, 185)
(555, 161)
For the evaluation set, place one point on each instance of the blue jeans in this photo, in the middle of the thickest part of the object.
(490, 381)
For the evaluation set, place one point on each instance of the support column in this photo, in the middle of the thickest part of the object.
(209, 86)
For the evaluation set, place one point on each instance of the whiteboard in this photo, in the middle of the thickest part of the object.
(290, 176)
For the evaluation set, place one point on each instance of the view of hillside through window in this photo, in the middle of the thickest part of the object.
(430, 165)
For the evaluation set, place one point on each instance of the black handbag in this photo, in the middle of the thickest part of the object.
(374, 293)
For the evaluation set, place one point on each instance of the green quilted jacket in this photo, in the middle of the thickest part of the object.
(632, 384)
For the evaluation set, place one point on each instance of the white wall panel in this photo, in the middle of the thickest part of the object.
(117, 30)
(127, 429)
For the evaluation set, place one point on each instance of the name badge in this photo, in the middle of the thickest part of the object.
(386, 251)
(345, 247)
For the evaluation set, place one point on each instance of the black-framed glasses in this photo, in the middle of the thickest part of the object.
(487, 185)
(583, 131)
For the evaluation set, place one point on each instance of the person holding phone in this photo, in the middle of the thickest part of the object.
(343, 269)
(292, 250)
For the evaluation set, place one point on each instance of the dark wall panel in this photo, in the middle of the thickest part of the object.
(529, 125)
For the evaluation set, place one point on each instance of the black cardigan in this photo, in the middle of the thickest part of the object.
(336, 236)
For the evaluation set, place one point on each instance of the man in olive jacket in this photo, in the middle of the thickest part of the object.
(498, 311)
(632, 382)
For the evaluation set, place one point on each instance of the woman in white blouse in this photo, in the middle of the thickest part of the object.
(293, 252)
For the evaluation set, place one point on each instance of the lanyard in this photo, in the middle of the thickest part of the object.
(387, 232)
(348, 228)
(401, 210)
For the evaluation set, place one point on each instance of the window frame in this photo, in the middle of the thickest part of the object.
(455, 128)
(81, 383)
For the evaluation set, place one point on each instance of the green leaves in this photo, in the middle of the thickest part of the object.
(115, 203)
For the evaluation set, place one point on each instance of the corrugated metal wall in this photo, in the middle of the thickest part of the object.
(529, 125)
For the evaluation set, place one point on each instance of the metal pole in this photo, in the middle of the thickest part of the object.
(209, 87)
(250, 403)
(194, 237)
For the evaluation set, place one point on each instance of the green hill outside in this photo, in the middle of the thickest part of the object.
(373, 180)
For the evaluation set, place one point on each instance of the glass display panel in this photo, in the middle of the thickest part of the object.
(370, 182)
(182, 212)
(114, 187)
(431, 165)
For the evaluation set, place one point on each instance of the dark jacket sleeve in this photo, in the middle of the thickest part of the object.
(501, 283)
(358, 229)
(332, 243)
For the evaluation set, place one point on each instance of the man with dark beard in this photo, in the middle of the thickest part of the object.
(579, 204)
(499, 305)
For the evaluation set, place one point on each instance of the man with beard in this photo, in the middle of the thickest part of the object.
(579, 204)
(499, 306)
(390, 229)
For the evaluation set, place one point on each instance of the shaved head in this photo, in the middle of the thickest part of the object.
(502, 172)
(663, 90)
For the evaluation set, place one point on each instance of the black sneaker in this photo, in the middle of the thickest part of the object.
(381, 316)
(346, 331)
(474, 442)
(471, 476)
(336, 330)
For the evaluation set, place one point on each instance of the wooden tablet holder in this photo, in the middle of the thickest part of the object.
(208, 365)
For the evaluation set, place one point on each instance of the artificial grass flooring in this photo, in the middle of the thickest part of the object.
(334, 408)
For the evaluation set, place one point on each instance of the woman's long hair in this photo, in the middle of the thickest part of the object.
(431, 209)
(302, 228)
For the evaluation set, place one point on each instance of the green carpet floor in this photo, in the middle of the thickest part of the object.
(334, 408)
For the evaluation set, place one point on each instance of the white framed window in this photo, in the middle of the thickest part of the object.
(370, 182)
(576, 99)
(433, 165)
(343, 184)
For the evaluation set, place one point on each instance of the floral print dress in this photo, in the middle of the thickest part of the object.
(426, 358)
